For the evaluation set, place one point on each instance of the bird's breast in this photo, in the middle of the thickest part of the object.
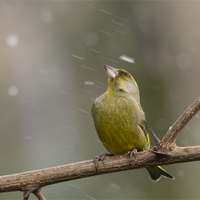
(116, 124)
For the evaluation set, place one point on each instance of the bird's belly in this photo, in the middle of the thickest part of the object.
(119, 135)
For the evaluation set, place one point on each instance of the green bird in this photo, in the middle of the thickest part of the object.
(120, 120)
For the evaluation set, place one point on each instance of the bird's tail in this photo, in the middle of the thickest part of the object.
(156, 172)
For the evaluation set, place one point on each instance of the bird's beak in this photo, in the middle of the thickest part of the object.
(111, 71)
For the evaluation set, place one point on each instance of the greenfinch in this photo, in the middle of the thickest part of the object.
(120, 120)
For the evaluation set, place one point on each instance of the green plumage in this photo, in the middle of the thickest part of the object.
(115, 123)
(119, 119)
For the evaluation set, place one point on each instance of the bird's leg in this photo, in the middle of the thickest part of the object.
(101, 157)
(131, 154)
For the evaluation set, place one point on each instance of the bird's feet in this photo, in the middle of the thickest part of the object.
(100, 157)
(131, 154)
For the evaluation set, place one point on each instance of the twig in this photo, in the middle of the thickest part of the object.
(39, 195)
(172, 134)
(27, 190)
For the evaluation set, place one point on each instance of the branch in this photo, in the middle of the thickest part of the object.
(48, 176)
(33, 181)
(174, 131)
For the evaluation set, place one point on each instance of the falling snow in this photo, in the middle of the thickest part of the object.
(90, 5)
(75, 186)
(113, 60)
(88, 91)
(86, 67)
(90, 197)
(107, 12)
(43, 72)
(121, 32)
(64, 92)
(30, 102)
(127, 59)
(82, 110)
(89, 83)
(68, 44)
(75, 56)
(95, 50)
(118, 23)
(106, 32)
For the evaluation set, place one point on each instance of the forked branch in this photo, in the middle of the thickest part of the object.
(174, 131)
(33, 181)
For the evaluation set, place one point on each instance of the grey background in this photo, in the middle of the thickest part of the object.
(51, 70)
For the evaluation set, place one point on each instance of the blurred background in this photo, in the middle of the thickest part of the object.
(51, 71)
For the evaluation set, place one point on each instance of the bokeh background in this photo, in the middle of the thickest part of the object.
(51, 70)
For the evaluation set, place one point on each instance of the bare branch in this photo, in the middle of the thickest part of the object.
(27, 190)
(48, 176)
(172, 134)
(39, 195)
(33, 181)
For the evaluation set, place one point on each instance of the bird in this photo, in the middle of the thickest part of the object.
(120, 120)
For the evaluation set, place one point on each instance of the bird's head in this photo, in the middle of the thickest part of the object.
(121, 81)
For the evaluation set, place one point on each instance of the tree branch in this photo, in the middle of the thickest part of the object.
(174, 131)
(48, 176)
(33, 181)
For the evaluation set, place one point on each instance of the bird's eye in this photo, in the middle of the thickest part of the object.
(126, 74)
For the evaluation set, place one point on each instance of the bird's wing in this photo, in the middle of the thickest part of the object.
(143, 126)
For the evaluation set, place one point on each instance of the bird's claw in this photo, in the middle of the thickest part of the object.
(100, 157)
(131, 154)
